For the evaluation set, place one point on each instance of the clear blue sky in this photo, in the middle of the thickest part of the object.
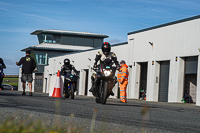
(115, 18)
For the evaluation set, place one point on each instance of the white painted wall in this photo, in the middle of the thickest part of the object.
(19, 81)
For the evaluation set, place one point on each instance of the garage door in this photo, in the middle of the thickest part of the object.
(164, 81)
(190, 85)
(143, 79)
(38, 82)
(191, 65)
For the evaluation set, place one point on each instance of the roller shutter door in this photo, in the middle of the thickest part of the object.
(38, 82)
(164, 81)
(191, 64)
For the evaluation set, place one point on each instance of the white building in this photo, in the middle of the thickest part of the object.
(164, 60)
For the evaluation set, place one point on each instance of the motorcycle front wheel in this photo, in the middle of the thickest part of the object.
(104, 92)
(72, 91)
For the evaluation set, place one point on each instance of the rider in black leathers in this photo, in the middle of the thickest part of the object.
(100, 57)
(2, 66)
(67, 69)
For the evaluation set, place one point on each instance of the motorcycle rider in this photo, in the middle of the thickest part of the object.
(3, 66)
(66, 70)
(100, 57)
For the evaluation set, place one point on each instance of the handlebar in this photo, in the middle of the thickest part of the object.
(96, 68)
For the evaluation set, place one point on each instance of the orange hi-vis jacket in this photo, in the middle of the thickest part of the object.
(123, 73)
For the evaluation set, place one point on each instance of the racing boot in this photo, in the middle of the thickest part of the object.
(113, 84)
(93, 87)
(93, 84)
(112, 93)
(66, 94)
(116, 80)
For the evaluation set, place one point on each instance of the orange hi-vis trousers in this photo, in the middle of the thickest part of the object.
(123, 93)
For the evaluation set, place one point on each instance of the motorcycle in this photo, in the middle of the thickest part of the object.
(187, 98)
(70, 85)
(105, 73)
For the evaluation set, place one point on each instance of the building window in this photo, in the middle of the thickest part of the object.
(41, 58)
(46, 38)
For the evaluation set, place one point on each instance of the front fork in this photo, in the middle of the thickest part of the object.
(108, 89)
(68, 86)
(101, 87)
(67, 89)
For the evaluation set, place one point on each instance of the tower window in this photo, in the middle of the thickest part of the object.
(46, 38)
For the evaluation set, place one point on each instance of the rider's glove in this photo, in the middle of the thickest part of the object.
(118, 66)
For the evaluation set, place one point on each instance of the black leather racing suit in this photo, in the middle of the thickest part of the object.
(67, 70)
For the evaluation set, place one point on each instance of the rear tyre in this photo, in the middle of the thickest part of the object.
(104, 93)
(72, 91)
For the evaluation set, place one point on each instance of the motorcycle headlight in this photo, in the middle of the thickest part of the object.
(107, 73)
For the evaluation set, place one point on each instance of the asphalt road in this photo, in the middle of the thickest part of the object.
(134, 116)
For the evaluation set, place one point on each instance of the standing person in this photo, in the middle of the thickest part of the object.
(28, 66)
(2, 66)
(123, 81)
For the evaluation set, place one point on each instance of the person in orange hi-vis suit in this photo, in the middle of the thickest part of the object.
(123, 81)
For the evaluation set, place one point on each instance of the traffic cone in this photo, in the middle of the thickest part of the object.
(57, 90)
(12, 89)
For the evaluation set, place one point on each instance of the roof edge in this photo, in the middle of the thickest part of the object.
(63, 32)
(51, 49)
(118, 44)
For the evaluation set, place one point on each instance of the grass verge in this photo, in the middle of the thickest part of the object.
(11, 81)
(29, 126)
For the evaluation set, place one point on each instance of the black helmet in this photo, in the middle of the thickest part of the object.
(105, 47)
(66, 61)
